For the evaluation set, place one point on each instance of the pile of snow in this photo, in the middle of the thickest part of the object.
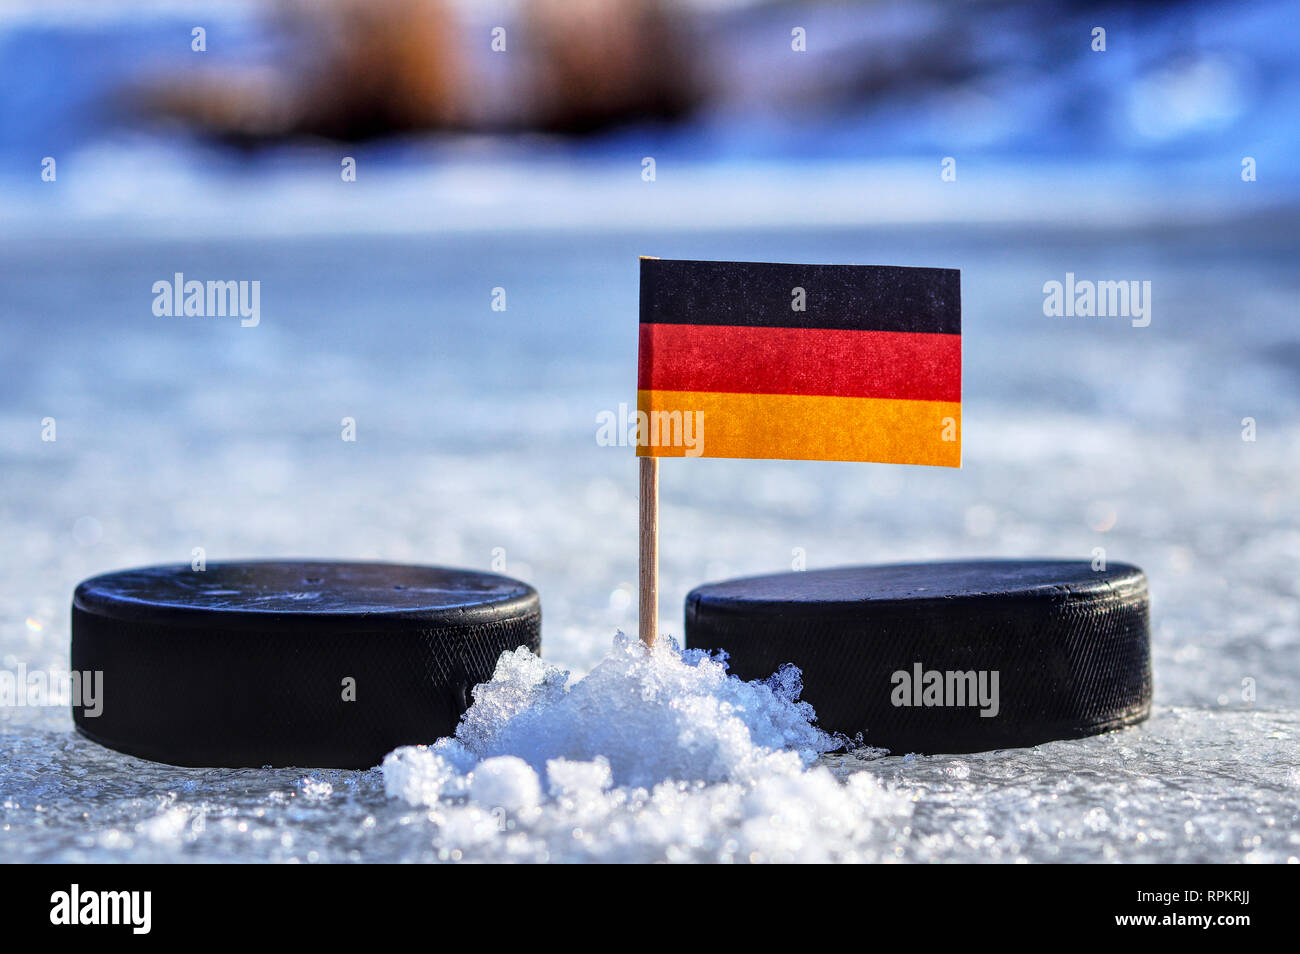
(653, 747)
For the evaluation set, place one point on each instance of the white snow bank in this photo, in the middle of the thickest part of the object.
(658, 747)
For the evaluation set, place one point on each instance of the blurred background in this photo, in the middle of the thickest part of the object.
(389, 170)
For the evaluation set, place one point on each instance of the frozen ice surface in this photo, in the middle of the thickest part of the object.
(476, 438)
(1189, 785)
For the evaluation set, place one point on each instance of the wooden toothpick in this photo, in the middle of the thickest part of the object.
(649, 566)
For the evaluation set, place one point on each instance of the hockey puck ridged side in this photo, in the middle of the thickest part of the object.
(1047, 649)
(310, 664)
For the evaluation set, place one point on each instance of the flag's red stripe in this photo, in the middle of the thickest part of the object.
(833, 362)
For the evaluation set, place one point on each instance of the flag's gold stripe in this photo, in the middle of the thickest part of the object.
(800, 427)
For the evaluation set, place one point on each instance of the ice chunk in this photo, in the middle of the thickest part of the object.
(651, 715)
(579, 778)
(657, 747)
(505, 782)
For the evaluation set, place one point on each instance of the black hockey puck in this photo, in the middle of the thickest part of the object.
(944, 657)
(312, 664)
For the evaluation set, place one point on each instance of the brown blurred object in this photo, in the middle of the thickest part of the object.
(369, 68)
(601, 62)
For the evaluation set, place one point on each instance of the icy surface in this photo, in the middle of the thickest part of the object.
(1189, 785)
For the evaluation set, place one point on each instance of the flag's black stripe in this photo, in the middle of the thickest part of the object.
(853, 297)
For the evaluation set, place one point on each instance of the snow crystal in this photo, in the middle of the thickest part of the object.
(505, 781)
(654, 746)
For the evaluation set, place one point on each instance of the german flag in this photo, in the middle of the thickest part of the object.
(800, 362)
